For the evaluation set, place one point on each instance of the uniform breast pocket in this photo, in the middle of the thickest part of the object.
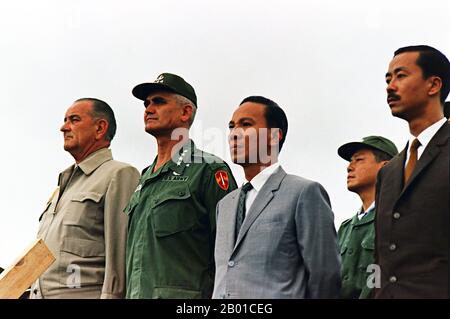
(85, 209)
(173, 212)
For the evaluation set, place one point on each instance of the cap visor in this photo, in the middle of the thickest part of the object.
(346, 151)
(142, 91)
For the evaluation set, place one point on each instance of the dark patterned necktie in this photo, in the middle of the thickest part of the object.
(412, 160)
(241, 208)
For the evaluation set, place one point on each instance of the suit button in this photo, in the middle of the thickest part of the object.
(345, 278)
(35, 291)
(231, 263)
(392, 279)
(350, 251)
(396, 215)
(181, 193)
(392, 247)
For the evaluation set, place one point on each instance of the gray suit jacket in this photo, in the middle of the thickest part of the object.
(286, 248)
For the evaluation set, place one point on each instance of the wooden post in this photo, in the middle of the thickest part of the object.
(17, 278)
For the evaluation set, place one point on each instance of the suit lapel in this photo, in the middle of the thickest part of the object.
(233, 203)
(394, 175)
(265, 195)
(429, 154)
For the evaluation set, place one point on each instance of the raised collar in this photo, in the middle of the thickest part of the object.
(94, 160)
(183, 157)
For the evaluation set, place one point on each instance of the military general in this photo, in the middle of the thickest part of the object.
(170, 248)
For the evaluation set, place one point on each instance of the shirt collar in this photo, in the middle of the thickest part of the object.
(94, 160)
(371, 207)
(427, 134)
(259, 180)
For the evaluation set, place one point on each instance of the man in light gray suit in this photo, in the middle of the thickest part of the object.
(275, 235)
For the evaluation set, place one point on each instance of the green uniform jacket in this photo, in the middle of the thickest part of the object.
(357, 242)
(172, 225)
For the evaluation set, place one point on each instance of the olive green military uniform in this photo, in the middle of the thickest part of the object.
(357, 242)
(172, 226)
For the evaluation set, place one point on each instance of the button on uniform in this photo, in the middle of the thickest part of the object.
(231, 263)
(392, 247)
(393, 279)
(396, 215)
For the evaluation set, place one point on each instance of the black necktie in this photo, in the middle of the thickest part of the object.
(241, 207)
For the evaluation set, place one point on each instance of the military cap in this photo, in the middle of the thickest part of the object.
(166, 82)
(380, 143)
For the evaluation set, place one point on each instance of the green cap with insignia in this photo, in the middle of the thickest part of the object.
(380, 143)
(166, 82)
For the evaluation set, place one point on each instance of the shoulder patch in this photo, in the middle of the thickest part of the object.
(222, 179)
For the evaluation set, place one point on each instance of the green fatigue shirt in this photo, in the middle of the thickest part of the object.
(356, 243)
(170, 247)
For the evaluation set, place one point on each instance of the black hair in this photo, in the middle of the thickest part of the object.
(274, 114)
(380, 156)
(432, 62)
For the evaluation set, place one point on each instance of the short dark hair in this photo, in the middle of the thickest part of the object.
(274, 114)
(380, 156)
(101, 109)
(432, 62)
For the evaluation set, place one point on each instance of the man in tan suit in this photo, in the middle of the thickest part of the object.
(83, 223)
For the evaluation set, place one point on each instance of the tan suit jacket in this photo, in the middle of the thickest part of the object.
(84, 226)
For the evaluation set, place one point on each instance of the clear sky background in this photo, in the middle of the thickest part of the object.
(323, 61)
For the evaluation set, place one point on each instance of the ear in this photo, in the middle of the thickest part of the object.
(435, 85)
(101, 127)
(275, 136)
(186, 113)
(383, 163)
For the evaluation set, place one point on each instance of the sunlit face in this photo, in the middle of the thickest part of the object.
(362, 171)
(162, 114)
(79, 128)
(407, 90)
(249, 139)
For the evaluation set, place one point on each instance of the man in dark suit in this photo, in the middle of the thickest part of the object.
(412, 196)
(275, 235)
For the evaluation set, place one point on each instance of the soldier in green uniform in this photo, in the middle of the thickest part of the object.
(357, 234)
(171, 229)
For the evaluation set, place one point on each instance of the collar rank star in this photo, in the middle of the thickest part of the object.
(222, 179)
(180, 159)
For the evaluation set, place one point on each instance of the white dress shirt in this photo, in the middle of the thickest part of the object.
(258, 182)
(424, 138)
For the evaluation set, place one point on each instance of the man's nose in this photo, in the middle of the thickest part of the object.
(235, 133)
(391, 87)
(150, 108)
(64, 127)
(349, 167)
